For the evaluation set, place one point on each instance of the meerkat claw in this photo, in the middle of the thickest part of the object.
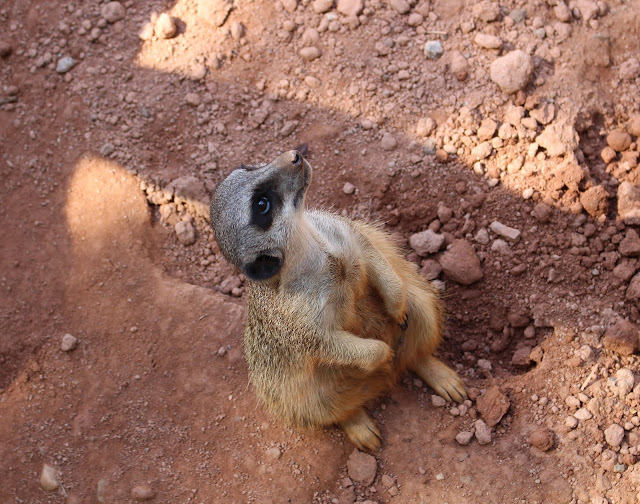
(405, 323)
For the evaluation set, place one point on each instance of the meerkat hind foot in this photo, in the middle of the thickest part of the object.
(442, 379)
(362, 432)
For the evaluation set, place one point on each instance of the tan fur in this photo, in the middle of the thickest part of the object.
(323, 335)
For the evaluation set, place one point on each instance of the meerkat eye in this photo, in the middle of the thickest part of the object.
(297, 159)
(264, 205)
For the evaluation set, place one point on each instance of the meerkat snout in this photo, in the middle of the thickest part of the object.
(254, 211)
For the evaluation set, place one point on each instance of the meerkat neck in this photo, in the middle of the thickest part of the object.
(306, 251)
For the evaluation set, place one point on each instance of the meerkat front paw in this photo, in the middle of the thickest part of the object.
(362, 432)
(442, 379)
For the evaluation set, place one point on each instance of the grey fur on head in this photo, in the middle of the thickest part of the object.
(251, 237)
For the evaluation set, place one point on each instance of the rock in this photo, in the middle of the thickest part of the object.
(69, 342)
(458, 65)
(5, 49)
(595, 201)
(482, 432)
(482, 151)
(633, 291)
(464, 438)
(544, 113)
(142, 493)
(460, 263)
(415, 19)
(493, 405)
(522, 357)
(165, 26)
(613, 435)
(542, 439)
(486, 11)
(185, 232)
(188, 187)
(350, 8)
(437, 401)
(588, 9)
(608, 154)
(558, 138)
(619, 140)
(426, 242)
(487, 41)
(289, 5)
(630, 244)
(388, 143)
(49, 478)
(107, 149)
(629, 203)
(562, 12)
(624, 382)
(633, 126)
(487, 129)
(192, 99)
(426, 126)
(433, 49)
(65, 64)
(630, 69)
(146, 32)
(113, 12)
(312, 82)
(430, 269)
(512, 71)
(348, 188)
(288, 128)
(505, 231)
(214, 12)
(624, 270)
(401, 6)
(622, 338)
(542, 212)
(583, 414)
(273, 453)
(310, 53)
(362, 467)
(322, 6)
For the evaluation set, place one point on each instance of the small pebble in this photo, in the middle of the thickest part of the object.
(142, 493)
(69, 343)
(437, 401)
(273, 453)
(388, 143)
(348, 188)
(433, 49)
(113, 11)
(49, 478)
(464, 438)
(165, 26)
(482, 432)
(65, 64)
(542, 439)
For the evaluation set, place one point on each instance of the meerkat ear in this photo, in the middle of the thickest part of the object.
(303, 149)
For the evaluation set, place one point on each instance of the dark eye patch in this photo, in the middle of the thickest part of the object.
(265, 203)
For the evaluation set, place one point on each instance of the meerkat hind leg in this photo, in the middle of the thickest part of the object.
(362, 432)
(441, 378)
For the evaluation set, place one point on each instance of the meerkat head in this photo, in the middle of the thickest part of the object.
(255, 210)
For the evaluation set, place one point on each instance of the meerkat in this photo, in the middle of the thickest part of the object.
(334, 312)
